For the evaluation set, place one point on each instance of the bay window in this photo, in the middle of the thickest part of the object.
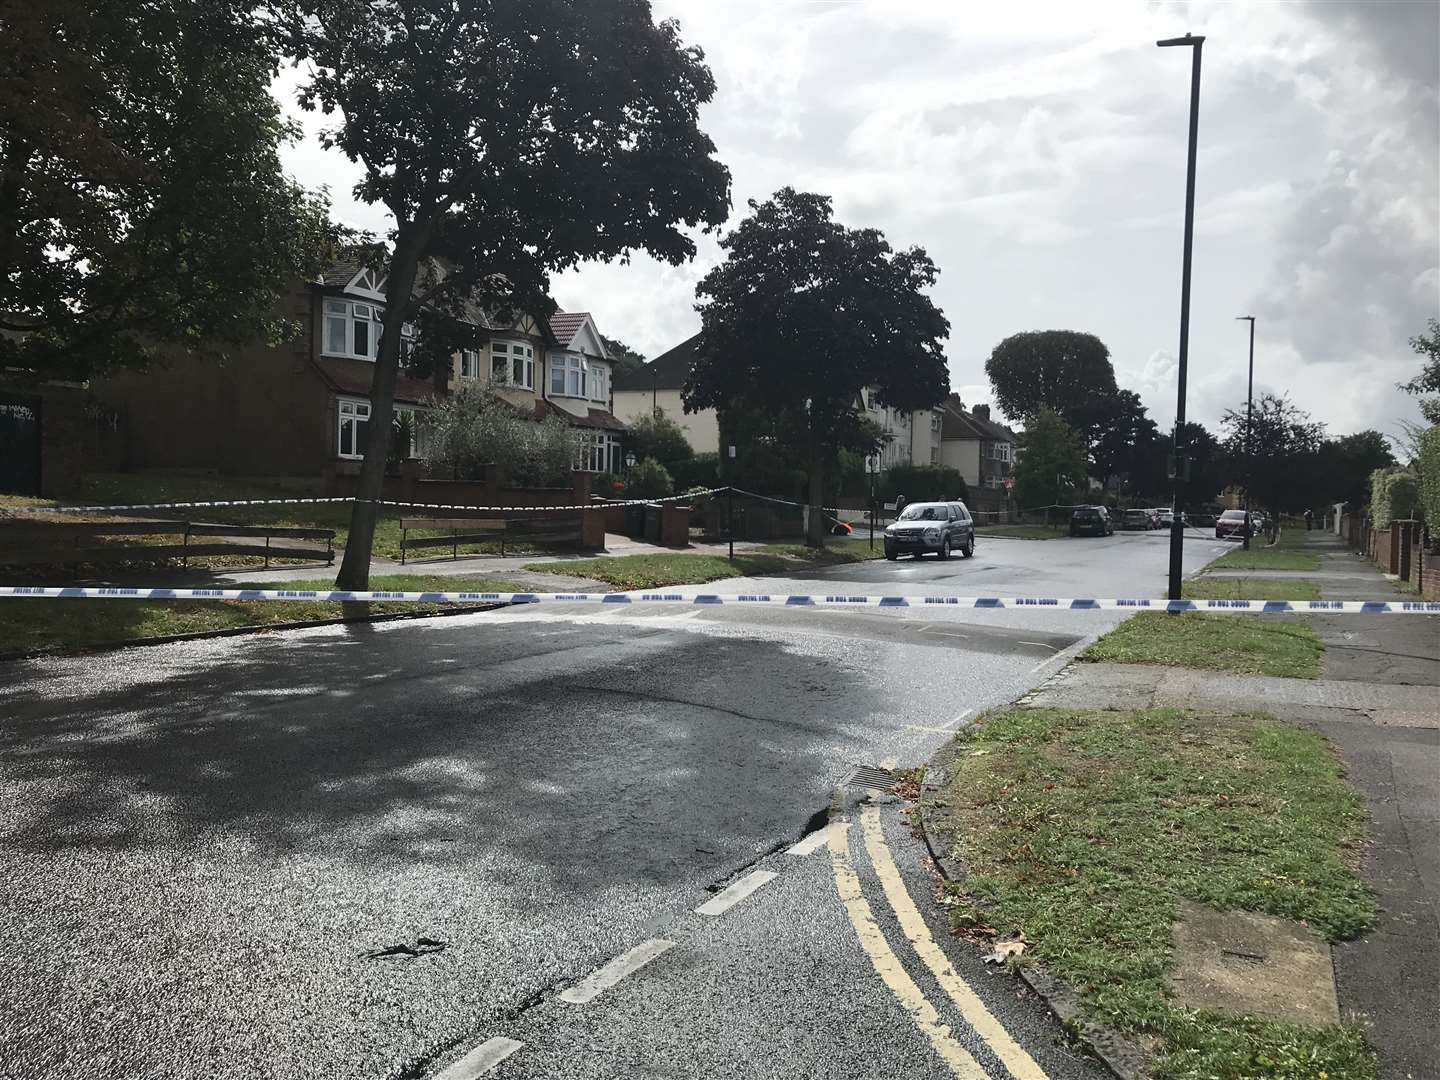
(512, 363)
(352, 328)
(601, 454)
(568, 375)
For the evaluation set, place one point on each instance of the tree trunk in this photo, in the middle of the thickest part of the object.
(404, 262)
(815, 535)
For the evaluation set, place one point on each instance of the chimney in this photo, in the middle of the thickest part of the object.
(982, 411)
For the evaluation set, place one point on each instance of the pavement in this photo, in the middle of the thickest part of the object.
(221, 857)
(1378, 703)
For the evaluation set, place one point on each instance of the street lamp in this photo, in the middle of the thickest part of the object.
(1177, 527)
(1249, 419)
(629, 461)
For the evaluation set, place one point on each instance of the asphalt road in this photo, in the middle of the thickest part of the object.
(202, 844)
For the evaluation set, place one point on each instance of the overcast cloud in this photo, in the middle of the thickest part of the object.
(1037, 151)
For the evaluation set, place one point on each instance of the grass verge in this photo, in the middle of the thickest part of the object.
(1023, 532)
(845, 550)
(1208, 588)
(1242, 644)
(53, 626)
(1084, 829)
(1258, 558)
(658, 571)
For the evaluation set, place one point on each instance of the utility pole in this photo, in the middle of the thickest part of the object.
(1249, 421)
(1177, 527)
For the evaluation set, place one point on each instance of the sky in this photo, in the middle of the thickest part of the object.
(1037, 152)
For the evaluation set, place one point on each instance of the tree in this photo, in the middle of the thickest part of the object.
(1065, 371)
(507, 139)
(1427, 346)
(1342, 469)
(475, 428)
(1282, 441)
(1120, 437)
(660, 438)
(142, 199)
(1051, 461)
(625, 360)
(650, 480)
(802, 317)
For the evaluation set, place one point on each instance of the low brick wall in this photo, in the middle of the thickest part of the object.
(1430, 579)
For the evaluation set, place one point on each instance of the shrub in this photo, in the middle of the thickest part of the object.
(1394, 495)
(697, 471)
(1430, 479)
(658, 438)
(922, 483)
(650, 480)
(476, 427)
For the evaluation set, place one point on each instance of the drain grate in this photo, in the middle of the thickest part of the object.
(868, 776)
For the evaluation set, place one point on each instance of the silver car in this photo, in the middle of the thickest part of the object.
(941, 527)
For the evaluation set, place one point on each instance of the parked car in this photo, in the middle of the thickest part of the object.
(1136, 518)
(941, 527)
(1091, 521)
(1231, 525)
(1157, 517)
(1167, 517)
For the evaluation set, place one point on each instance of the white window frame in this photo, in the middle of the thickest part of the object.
(354, 313)
(601, 454)
(599, 383)
(470, 364)
(513, 350)
(351, 412)
(573, 373)
(418, 447)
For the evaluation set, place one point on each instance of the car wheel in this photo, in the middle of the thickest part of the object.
(944, 551)
(968, 551)
(890, 553)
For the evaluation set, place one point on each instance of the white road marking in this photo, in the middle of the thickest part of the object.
(597, 982)
(810, 844)
(955, 723)
(724, 901)
(481, 1060)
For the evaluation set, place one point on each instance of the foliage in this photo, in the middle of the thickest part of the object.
(1121, 440)
(1394, 494)
(475, 427)
(1429, 462)
(143, 202)
(650, 480)
(1342, 468)
(659, 438)
(1285, 649)
(1051, 465)
(1427, 346)
(507, 140)
(1209, 466)
(802, 317)
(1065, 371)
(697, 471)
(1086, 830)
(922, 483)
(401, 440)
(1282, 442)
(624, 360)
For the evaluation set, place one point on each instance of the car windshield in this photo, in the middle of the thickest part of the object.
(1234, 515)
(925, 512)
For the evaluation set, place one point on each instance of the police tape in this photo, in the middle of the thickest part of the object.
(980, 603)
(599, 504)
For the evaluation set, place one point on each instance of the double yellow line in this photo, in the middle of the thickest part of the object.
(1020, 1064)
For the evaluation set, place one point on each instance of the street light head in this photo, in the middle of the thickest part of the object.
(1188, 39)
(1242, 318)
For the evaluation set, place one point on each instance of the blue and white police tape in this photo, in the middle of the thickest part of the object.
(599, 504)
(1008, 603)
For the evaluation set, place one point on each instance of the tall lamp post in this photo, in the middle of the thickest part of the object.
(1249, 420)
(1177, 526)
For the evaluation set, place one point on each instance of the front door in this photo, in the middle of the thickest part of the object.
(20, 444)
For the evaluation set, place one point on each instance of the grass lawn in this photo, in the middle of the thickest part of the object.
(1023, 532)
(1259, 558)
(1206, 588)
(46, 625)
(836, 550)
(1084, 829)
(1240, 643)
(658, 571)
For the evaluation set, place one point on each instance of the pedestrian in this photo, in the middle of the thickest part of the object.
(1309, 519)
(899, 504)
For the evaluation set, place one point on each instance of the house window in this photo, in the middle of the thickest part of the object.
(601, 455)
(419, 431)
(599, 383)
(352, 329)
(568, 375)
(470, 364)
(512, 363)
(935, 421)
(354, 422)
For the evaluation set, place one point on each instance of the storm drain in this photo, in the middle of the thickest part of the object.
(871, 778)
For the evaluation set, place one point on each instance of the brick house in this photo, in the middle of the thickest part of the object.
(301, 408)
(982, 451)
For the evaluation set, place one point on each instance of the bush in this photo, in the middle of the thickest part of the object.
(650, 480)
(1430, 480)
(1394, 494)
(660, 439)
(922, 483)
(697, 471)
(476, 427)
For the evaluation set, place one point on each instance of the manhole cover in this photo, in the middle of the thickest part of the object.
(868, 776)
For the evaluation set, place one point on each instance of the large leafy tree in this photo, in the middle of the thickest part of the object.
(1065, 371)
(1283, 445)
(1209, 472)
(1426, 385)
(1120, 437)
(1341, 468)
(508, 139)
(625, 360)
(1051, 465)
(802, 317)
(142, 199)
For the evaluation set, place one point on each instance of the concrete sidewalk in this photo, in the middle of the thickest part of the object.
(1379, 703)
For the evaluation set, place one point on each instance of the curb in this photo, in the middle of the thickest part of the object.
(239, 631)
